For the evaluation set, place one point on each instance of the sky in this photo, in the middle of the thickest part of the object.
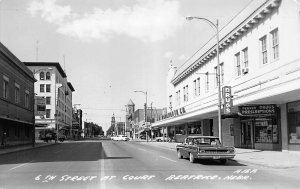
(111, 48)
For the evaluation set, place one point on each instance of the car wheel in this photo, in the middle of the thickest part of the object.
(179, 154)
(192, 158)
(223, 161)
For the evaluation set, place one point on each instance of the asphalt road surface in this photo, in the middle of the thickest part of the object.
(120, 164)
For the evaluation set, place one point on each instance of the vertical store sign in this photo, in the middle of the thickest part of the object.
(227, 99)
(40, 106)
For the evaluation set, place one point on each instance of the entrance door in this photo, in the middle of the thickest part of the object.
(247, 134)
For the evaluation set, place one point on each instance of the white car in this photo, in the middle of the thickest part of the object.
(120, 137)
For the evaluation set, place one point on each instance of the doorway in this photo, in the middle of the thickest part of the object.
(247, 134)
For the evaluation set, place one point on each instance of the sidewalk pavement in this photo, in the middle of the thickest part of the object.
(273, 159)
(38, 144)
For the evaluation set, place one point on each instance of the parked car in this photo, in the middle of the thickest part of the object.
(204, 147)
(143, 137)
(62, 138)
(162, 138)
(120, 137)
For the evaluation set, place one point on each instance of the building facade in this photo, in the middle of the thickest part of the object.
(52, 84)
(260, 65)
(16, 100)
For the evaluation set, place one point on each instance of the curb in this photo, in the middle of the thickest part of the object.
(24, 149)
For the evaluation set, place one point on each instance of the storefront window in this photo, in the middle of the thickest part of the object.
(194, 128)
(293, 115)
(180, 130)
(266, 130)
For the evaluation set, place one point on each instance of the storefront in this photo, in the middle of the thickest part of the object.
(260, 128)
(293, 121)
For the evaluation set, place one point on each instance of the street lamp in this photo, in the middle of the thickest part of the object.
(216, 28)
(145, 93)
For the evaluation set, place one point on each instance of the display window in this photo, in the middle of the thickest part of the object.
(293, 117)
(194, 128)
(266, 130)
(180, 130)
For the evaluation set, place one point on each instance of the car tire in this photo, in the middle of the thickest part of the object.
(179, 154)
(192, 158)
(223, 161)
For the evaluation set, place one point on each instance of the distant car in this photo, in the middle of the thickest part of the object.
(62, 138)
(143, 137)
(204, 147)
(120, 138)
(162, 139)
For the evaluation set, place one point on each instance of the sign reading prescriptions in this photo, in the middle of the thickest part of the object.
(258, 110)
(227, 99)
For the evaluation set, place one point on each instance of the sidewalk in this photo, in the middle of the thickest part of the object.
(273, 159)
(38, 144)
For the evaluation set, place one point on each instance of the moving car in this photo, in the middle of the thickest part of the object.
(120, 137)
(204, 147)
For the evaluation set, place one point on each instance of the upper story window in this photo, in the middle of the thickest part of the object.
(198, 85)
(178, 97)
(5, 87)
(42, 88)
(17, 93)
(275, 44)
(48, 100)
(206, 82)
(222, 73)
(26, 102)
(48, 76)
(263, 49)
(238, 64)
(245, 58)
(48, 88)
(186, 93)
(42, 76)
(195, 87)
(170, 102)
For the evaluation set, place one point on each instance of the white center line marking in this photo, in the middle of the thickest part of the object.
(58, 151)
(143, 150)
(167, 158)
(20, 165)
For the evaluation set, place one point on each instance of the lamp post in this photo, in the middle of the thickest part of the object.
(216, 28)
(145, 93)
(55, 105)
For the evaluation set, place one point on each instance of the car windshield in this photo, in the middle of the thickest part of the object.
(206, 141)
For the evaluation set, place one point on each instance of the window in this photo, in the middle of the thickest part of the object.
(170, 102)
(183, 94)
(238, 64)
(293, 117)
(194, 128)
(216, 76)
(245, 58)
(5, 87)
(42, 76)
(26, 99)
(27, 131)
(222, 73)
(178, 97)
(206, 82)
(48, 88)
(266, 130)
(42, 88)
(48, 100)
(195, 87)
(17, 93)
(198, 84)
(263, 47)
(187, 93)
(275, 44)
(48, 112)
(48, 76)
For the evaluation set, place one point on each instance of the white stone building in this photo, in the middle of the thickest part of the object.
(260, 61)
(53, 85)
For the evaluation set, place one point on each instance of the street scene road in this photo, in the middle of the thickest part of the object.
(122, 164)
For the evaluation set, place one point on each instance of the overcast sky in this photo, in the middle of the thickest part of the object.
(111, 47)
